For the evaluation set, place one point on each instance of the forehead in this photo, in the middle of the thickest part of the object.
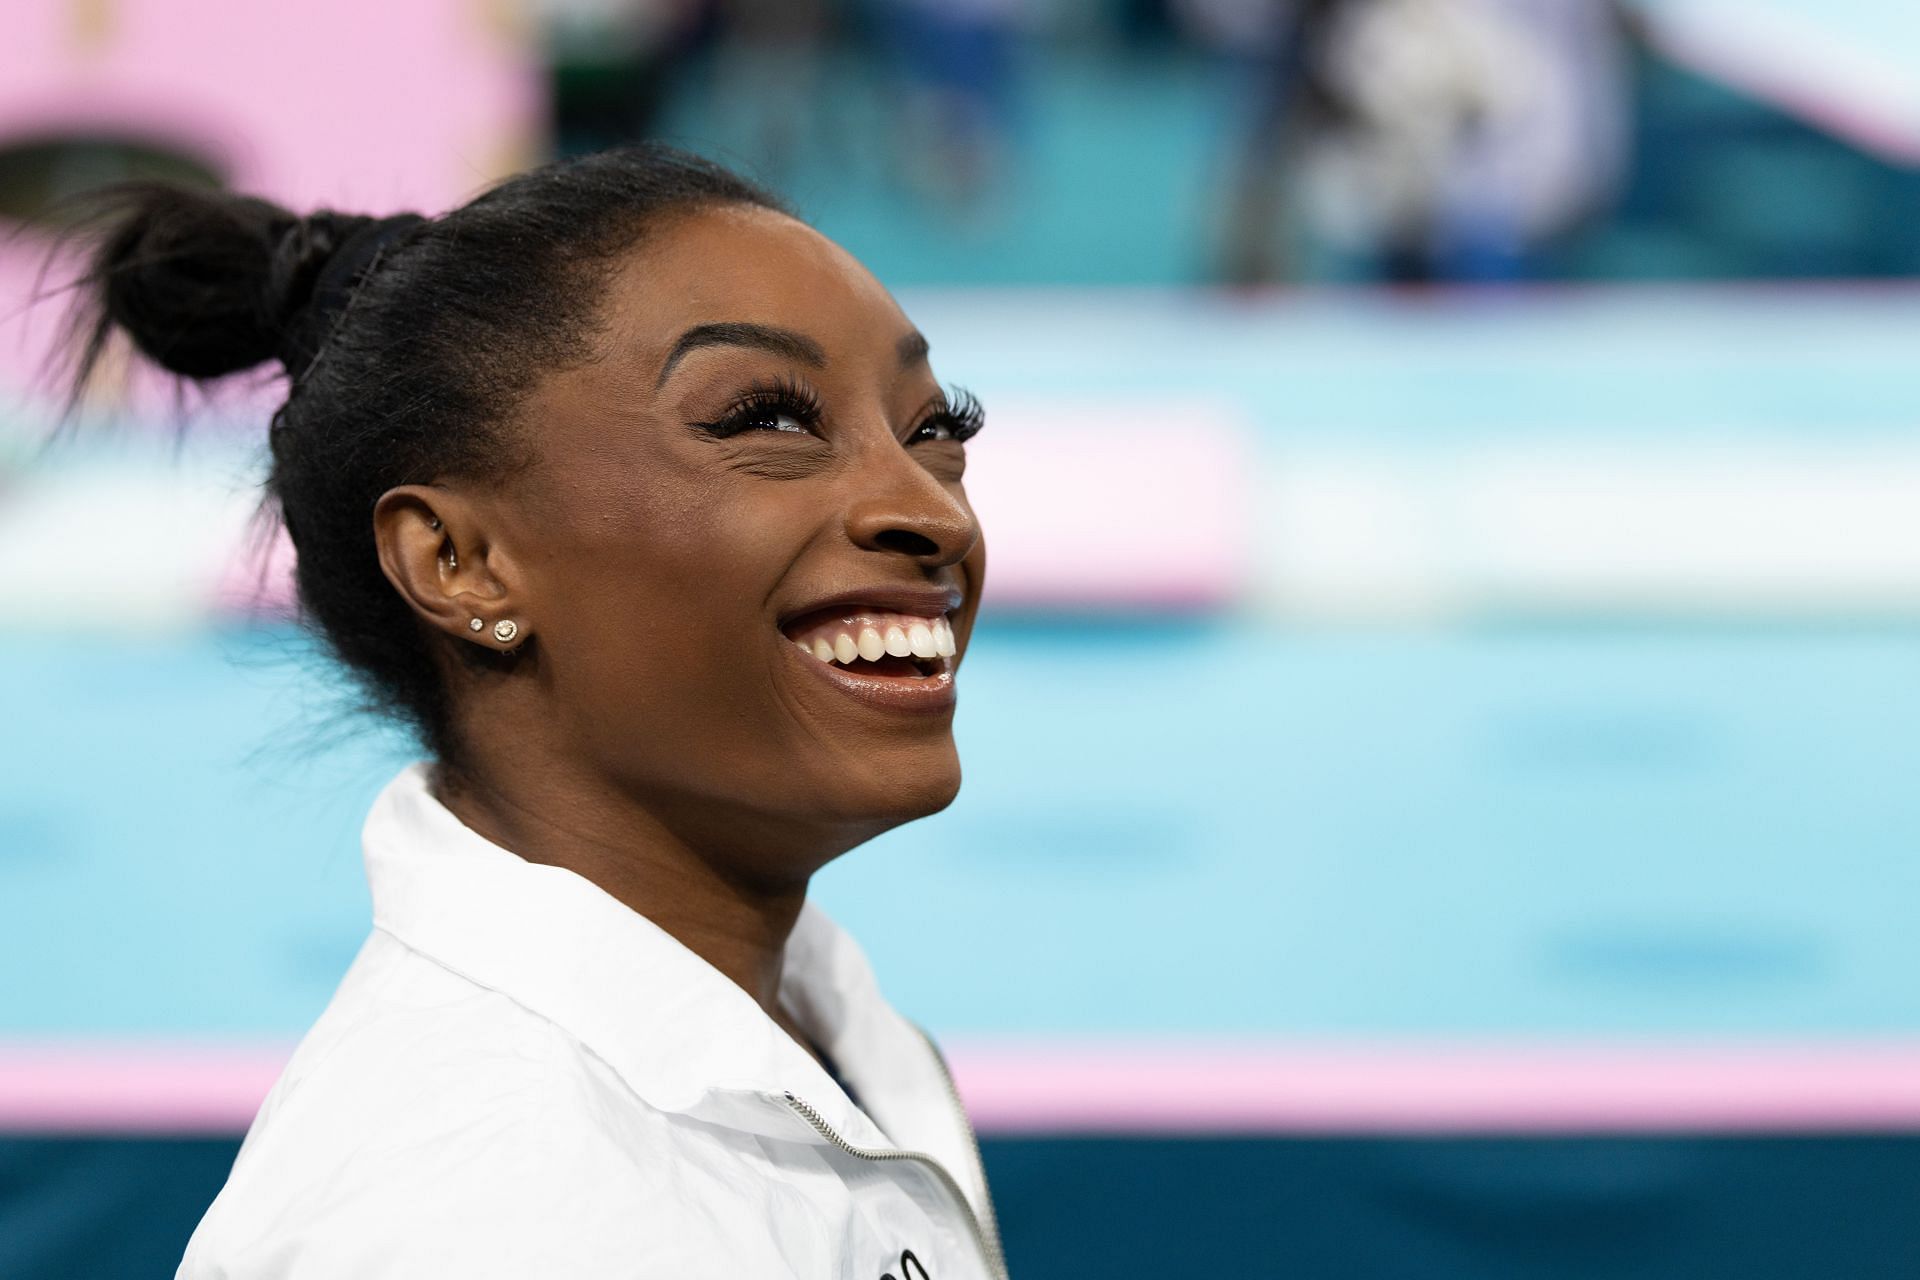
(754, 265)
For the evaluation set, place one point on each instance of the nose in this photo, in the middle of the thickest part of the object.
(913, 514)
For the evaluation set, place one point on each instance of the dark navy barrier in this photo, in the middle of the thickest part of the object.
(1838, 1207)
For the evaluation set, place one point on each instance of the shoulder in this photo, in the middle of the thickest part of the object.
(428, 1125)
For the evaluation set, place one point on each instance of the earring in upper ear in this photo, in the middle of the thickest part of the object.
(475, 625)
(505, 630)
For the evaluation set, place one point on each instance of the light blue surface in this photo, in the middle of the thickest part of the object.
(1175, 828)
(1641, 364)
(1888, 29)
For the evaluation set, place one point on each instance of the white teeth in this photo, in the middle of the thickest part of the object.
(877, 637)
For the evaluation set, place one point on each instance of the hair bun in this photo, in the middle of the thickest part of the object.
(207, 283)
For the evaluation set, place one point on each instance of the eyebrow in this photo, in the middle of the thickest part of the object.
(913, 348)
(785, 342)
(741, 333)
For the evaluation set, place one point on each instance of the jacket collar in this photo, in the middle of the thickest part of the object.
(675, 1029)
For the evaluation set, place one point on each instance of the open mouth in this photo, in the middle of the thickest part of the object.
(876, 642)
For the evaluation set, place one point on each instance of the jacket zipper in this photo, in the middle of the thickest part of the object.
(973, 1143)
(989, 1245)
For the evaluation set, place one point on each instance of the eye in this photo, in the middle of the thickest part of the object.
(771, 420)
(953, 415)
(784, 407)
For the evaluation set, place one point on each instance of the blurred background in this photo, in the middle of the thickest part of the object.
(1440, 743)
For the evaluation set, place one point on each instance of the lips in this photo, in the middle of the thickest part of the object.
(928, 692)
(890, 649)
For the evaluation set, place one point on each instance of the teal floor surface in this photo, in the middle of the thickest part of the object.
(1169, 829)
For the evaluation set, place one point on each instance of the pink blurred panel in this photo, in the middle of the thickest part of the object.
(1441, 1088)
(365, 105)
(1122, 507)
(135, 1088)
(1157, 1087)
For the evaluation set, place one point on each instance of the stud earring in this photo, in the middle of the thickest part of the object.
(475, 625)
(505, 630)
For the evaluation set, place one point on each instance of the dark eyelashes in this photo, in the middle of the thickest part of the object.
(956, 409)
(761, 404)
(959, 410)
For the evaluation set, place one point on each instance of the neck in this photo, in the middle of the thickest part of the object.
(734, 923)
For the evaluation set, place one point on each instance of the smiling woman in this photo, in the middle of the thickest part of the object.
(637, 499)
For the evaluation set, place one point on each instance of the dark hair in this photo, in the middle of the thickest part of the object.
(409, 342)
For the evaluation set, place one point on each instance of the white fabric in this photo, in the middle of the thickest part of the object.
(519, 1076)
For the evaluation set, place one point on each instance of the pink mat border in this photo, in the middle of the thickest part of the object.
(1153, 1087)
(1444, 1087)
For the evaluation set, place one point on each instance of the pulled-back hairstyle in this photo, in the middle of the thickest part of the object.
(409, 343)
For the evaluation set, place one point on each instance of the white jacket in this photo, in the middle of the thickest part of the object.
(521, 1077)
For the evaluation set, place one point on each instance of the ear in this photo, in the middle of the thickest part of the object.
(435, 550)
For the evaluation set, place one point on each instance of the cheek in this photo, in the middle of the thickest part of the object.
(661, 627)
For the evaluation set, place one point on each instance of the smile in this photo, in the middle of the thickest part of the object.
(895, 660)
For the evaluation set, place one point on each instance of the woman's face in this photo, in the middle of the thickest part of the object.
(745, 553)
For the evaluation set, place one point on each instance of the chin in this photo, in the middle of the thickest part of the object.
(885, 803)
(936, 795)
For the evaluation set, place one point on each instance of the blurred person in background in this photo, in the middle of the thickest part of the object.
(919, 93)
(1430, 140)
(1276, 49)
(954, 76)
(636, 500)
(771, 73)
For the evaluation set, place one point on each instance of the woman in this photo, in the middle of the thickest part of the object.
(637, 500)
